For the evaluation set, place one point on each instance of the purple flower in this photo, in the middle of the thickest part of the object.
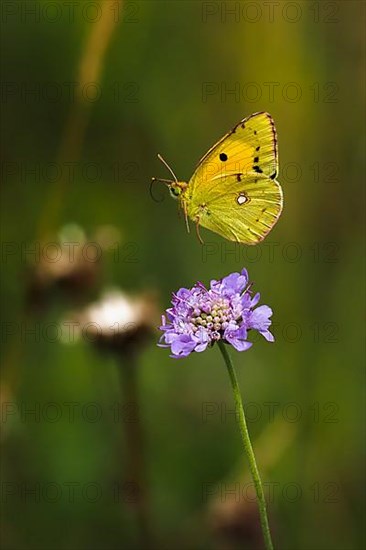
(199, 317)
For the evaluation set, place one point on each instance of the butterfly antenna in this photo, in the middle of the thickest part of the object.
(168, 167)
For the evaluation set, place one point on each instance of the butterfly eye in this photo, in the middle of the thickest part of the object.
(175, 191)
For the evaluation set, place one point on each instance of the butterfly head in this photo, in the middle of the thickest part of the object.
(177, 188)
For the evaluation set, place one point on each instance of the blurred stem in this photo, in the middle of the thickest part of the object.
(136, 469)
(89, 71)
(248, 449)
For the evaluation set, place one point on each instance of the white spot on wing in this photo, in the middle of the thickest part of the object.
(242, 199)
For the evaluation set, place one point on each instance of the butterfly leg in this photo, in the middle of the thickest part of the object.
(198, 231)
(186, 215)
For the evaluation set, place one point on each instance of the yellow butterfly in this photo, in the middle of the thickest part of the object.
(233, 190)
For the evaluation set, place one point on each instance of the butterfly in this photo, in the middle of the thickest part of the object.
(233, 190)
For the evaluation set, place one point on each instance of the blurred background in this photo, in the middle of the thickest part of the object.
(107, 442)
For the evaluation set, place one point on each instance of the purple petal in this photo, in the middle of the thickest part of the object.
(182, 294)
(237, 337)
(267, 335)
(202, 338)
(259, 320)
(254, 301)
(241, 346)
(182, 346)
(260, 317)
(234, 283)
(170, 336)
(244, 273)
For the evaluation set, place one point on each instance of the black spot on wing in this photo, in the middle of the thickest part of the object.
(256, 159)
(257, 169)
(223, 157)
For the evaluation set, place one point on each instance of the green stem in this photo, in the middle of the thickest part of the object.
(248, 447)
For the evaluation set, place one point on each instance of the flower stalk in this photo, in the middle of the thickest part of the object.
(136, 467)
(223, 314)
(248, 449)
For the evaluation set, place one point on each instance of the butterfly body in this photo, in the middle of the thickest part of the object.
(233, 190)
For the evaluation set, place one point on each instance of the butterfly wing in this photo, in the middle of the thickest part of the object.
(250, 146)
(240, 207)
(233, 190)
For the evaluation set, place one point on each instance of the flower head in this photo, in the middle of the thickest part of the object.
(226, 311)
(118, 322)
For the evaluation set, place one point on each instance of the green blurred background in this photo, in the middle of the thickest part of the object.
(114, 84)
